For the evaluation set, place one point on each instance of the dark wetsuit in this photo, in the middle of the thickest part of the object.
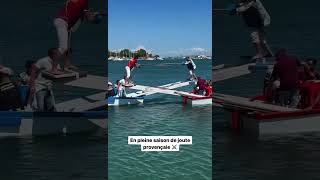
(252, 18)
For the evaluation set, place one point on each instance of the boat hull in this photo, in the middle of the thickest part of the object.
(117, 101)
(276, 124)
(197, 101)
(17, 124)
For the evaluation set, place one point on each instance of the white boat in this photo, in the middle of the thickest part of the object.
(188, 98)
(21, 124)
(150, 59)
(197, 101)
(121, 101)
(138, 96)
(280, 123)
(118, 59)
(261, 119)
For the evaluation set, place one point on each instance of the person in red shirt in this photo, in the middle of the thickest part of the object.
(208, 89)
(286, 70)
(310, 70)
(68, 20)
(133, 63)
(201, 86)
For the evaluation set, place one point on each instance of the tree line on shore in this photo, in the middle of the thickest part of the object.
(127, 53)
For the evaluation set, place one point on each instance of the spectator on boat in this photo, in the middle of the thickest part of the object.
(69, 18)
(256, 18)
(9, 93)
(132, 64)
(191, 67)
(310, 72)
(121, 92)
(110, 90)
(286, 70)
(201, 86)
(209, 89)
(25, 76)
(41, 96)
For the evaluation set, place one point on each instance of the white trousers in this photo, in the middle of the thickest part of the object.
(128, 72)
(62, 34)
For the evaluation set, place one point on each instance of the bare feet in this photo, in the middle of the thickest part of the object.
(57, 72)
(257, 56)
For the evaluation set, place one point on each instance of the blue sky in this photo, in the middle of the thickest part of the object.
(164, 27)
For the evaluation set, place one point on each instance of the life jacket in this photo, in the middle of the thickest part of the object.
(190, 66)
(201, 84)
(9, 94)
(209, 91)
(252, 17)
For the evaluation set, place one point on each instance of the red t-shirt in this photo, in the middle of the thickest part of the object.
(132, 63)
(73, 11)
(201, 84)
(209, 91)
(286, 69)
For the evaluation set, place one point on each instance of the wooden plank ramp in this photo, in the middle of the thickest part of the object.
(232, 72)
(165, 91)
(235, 102)
(218, 67)
(90, 81)
(83, 104)
(145, 90)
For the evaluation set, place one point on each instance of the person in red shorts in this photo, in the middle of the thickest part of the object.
(133, 63)
(71, 15)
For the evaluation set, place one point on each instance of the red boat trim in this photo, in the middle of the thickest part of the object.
(275, 115)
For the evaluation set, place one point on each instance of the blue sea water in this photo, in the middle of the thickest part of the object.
(160, 115)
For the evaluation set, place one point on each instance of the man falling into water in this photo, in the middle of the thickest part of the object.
(68, 20)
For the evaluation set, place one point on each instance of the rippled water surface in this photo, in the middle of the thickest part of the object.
(161, 115)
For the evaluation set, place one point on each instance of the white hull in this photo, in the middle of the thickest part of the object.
(279, 126)
(16, 124)
(198, 102)
(116, 101)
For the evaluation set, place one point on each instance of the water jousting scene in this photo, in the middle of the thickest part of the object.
(266, 99)
(290, 86)
(159, 84)
(49, 83)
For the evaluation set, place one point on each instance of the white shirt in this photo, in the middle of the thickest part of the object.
(193, 64)
(122, 82)
(43, 64)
